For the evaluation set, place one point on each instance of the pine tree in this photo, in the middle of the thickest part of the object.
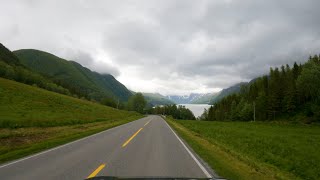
(274, 93)
(295, 70)
(211, 115)
(233, 111)
(261, 106)
(289, 103)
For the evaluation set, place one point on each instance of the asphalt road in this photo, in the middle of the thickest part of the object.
(144, 148)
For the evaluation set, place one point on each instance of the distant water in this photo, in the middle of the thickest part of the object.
(197, 109)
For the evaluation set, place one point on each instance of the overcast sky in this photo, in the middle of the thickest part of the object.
(167, 46)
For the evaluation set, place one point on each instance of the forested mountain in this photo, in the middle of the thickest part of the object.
(73, 76)
(11, 68)
(154, 99)
(228, 91)
(286, 93)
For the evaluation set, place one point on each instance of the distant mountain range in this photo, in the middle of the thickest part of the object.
(204, 98)
(196, 98)
(154, 99)
(193, 98)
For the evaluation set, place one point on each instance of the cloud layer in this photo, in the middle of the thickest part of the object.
(171, 47)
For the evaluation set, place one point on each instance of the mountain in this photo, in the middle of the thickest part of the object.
(7, 56)
(154, 99)
(204, 98)
(188, 99)
(207, 98)
(11, 68)
(230, 90)
(73, 76)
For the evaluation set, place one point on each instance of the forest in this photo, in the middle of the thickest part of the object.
(286, 93)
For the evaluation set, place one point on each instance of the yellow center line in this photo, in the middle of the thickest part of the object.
(147, 123)
(131, 137)
(95, 172)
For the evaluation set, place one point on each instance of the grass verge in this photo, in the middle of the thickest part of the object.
(17, 143)
(237, 150)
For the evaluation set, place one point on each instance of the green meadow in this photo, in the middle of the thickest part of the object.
(257, 150)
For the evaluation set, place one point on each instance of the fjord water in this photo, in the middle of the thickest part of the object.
(197, 109)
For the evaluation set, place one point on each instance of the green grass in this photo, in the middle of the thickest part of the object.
(26, 106)
(33, 119)
(242, 150)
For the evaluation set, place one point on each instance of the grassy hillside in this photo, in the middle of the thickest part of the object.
(27, 106)
(154, 99)
(32, 119)
(78, 79)
(238, 150)
(11, 68)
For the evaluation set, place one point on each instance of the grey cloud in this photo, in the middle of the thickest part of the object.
(210, 44)
(83, 58)
(88, 61)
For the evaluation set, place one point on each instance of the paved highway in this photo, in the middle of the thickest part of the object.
(144, 148)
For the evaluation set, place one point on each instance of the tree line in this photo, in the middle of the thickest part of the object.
(286, 92)
(177, 112)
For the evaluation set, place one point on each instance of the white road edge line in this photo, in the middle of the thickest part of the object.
(193, 157)
(61, 146)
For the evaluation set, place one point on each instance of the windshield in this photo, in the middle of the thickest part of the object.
(159, 89)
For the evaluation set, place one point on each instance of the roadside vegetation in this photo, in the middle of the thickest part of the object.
(257, 150)
(33, 119)
(137, 103)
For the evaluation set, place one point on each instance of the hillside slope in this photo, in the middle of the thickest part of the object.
(7, 56)
(11, 68)
(27, 106)
(73, 75)
(228, 91)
